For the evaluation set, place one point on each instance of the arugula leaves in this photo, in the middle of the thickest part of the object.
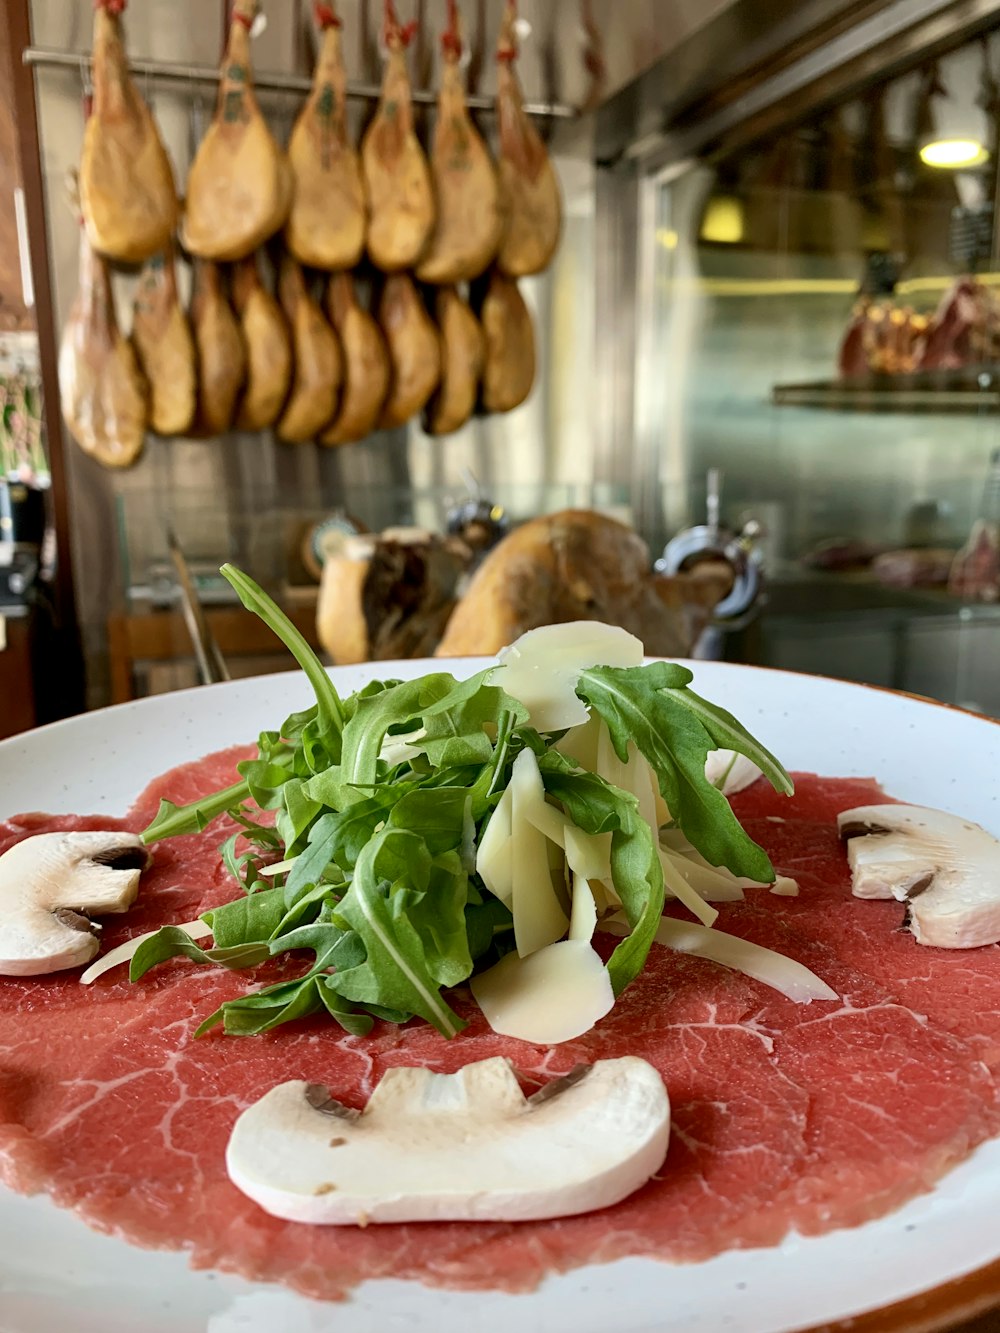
(378, 803)
(674, 728)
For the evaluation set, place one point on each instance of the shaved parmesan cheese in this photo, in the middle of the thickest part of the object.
(715, 883)
(494, 858)
(539, 918)
(792, 979)
(550, 821)
(198, 930)
(557, 994)
(678, 887)
(399, 749)
(278, 868)
(583, 918)
(730, 772)
(785, 887)
(773, 969)
(588, 854)
(714, 886)
(580, 743)
(609, 766)
(542, 667)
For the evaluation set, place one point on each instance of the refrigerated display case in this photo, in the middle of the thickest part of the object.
(772, 219)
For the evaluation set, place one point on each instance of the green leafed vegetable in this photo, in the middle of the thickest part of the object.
(363, 872)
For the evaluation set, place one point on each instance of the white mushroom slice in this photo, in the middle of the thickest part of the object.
(556, 995)
(731, 772)
(442, 1147)
(124, 953)
(51, 884)
(944, 868)
(542, 667)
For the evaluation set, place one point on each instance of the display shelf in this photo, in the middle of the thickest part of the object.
(973, 389)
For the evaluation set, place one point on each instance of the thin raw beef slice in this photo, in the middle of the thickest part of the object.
(785, 1116)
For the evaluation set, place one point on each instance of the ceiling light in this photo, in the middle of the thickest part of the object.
(723, 221)
(953, 154)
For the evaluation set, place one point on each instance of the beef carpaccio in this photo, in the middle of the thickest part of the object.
(785, 1116)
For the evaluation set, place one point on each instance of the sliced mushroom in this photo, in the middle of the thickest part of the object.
(50, 886)
(946, 869)
(730, 772)
(466, 1146)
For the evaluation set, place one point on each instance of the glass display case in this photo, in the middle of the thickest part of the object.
(821, 325)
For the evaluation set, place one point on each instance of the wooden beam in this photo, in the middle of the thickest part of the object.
(16, 17)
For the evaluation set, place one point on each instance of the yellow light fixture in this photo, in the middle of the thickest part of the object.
(723, 222)
(953, 154)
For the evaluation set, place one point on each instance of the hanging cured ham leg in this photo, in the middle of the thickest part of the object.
(165, 347)
(326, 227)
(127, 190)
(414, 350)
(509, 371)
(527, 176)
(240, 185)
(398, 180)
(268, 346)
(102, 391)
(222, 362)
(317, 360)
(366, 364)
(466, 185)
(463, 352)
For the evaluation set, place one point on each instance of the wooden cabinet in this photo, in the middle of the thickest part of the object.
(17, 690)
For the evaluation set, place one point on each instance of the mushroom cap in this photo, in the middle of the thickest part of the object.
(51, 884)
(945, 868)
(465, 1146)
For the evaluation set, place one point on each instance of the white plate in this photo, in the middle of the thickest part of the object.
(55, 1273)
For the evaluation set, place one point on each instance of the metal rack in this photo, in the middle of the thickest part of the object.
(163, 71)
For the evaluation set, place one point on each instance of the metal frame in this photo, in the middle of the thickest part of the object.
(879, 47)
(163, 71)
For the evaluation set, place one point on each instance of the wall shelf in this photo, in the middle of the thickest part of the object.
(974, 389)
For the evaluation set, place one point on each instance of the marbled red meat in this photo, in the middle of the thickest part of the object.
(784, 1115)
(959, 991)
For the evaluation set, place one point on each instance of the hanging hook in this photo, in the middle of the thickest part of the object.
(86, 87)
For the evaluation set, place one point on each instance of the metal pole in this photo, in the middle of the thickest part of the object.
(163, 71)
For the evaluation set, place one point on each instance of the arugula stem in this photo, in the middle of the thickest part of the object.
(255, 599)
(173, 820)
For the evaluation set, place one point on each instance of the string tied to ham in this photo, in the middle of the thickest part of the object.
(245, 13)
(507, 42)
(451, 38)
(326, 17)
(394, 33)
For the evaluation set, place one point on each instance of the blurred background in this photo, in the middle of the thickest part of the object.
(770, 336)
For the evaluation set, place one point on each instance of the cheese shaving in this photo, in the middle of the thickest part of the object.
(198, 930)
(793, 980)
